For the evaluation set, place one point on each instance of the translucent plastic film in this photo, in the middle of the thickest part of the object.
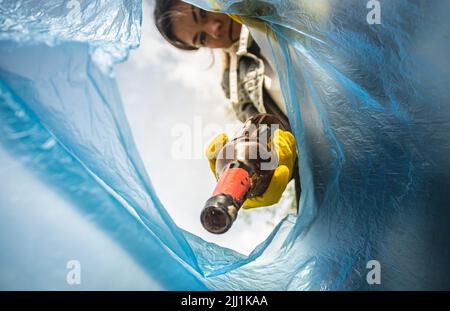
(368, 104)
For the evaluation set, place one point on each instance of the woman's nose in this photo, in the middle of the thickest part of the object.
(214, 28)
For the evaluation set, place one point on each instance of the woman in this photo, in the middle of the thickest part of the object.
(249, 80)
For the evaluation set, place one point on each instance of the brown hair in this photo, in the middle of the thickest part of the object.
(163, 21)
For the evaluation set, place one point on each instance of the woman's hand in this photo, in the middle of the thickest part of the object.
(284, 145)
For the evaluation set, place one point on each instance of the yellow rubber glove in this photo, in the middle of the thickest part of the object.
(213, 149)
(284, 145)
(249, 22)
(236, 18)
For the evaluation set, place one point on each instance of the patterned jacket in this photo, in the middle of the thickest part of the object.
(243, 83)
(243, 80)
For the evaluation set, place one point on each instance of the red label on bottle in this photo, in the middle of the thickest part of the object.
(235, 182)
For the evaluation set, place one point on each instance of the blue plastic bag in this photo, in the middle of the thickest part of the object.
(367, 102)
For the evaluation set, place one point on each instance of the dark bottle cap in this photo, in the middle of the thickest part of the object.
(219, 213)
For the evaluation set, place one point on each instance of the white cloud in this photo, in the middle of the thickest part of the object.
(162, 87)
(190, 68)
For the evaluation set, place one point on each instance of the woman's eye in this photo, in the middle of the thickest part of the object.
(202, 13)
(202, 38)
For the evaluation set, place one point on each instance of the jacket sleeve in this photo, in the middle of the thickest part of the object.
(245, 109)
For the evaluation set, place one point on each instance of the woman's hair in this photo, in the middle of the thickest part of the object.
(163, 20)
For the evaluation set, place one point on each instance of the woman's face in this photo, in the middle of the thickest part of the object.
(199, 28)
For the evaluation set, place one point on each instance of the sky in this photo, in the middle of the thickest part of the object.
(175, 106)
(44, 231)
